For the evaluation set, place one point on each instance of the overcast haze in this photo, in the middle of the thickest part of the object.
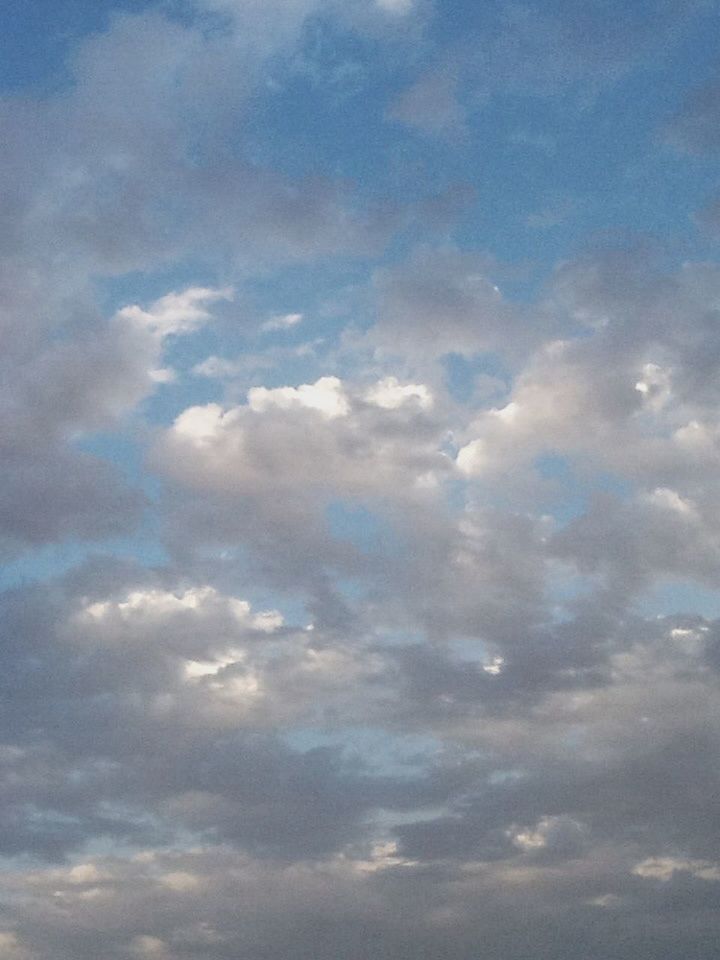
(360, 480)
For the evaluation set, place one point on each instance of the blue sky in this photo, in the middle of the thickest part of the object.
(359, 505)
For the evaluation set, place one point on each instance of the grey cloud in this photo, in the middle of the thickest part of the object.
(636, 394)
(456, 734)
(431, 104)
(270, 468)
(530, 50)
(50, 495)
(104, 165)
(57, 390)
(442, 301)
(695, 129)
(94, 175)
(136, 714)
(547, 796)
(217, 904)
(635, 542)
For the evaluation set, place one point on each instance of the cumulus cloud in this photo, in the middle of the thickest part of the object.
(312, 441)
(68, 389)
(326, 396)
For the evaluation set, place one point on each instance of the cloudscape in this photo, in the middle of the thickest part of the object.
(360, 480)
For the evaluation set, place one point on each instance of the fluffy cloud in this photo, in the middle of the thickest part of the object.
(312, 442)
(635, 395)
(55, 394)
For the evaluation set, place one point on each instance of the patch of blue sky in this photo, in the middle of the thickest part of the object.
(564, 588)
(123, 449)
(351, 589)
(326, 111)
(571, 486)
(142, 287)
(668, 597)
(357, 524)
(484, 374)
(55, 559)
(293, 609)
(470, 651)
(37, 36)
(322, 291)
(351, 140)
(548, 170)
(187, 390)
(455, 20)
(601, 178)
(397, 754)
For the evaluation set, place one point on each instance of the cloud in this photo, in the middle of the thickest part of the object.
(170, 677)
(550, 798)
(395, 6)
(397, 670)
(663, 868)
(695, 128)
(326, 396)
(121, 174)
(70, 388)
(391, 394)
(336, 443)
(442, 301)
(175, 313)
(431, 105)
(572, 50)
(283, 322)
(629, 397)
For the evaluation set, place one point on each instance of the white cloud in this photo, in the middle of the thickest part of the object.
(495, 667)
(283, 322)
(146, 947)
(326, 395)
(218, 367)
(470, 458)
(665, 868)
(396, 6)
(152, 604)
(390, 394)
(201, 425)
(176, 313)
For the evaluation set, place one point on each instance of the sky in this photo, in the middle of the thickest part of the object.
(360, 485)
